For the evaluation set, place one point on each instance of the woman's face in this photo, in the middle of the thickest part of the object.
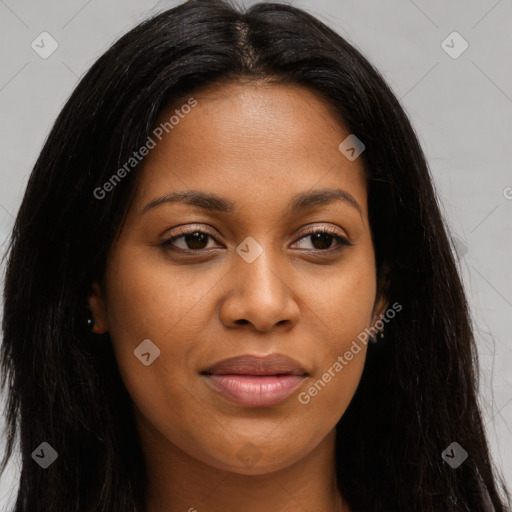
(256, 279)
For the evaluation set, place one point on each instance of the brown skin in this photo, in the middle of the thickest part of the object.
(256, 145)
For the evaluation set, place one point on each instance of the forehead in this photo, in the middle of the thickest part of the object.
(266, 139)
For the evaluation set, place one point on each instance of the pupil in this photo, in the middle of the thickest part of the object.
(324, 239)
(195, 240)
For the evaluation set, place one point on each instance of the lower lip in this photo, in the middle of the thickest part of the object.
(254, 390)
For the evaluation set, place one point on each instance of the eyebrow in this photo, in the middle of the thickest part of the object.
(215, 203)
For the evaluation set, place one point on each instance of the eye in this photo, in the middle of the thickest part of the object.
(322, 239)
(193, 240)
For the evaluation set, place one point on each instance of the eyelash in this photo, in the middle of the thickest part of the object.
(342, 242)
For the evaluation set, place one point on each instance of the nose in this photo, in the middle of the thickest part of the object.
(260, 294)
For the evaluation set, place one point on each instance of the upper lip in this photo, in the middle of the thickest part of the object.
(249, 364)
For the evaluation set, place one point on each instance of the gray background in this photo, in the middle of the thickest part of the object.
(460, 107)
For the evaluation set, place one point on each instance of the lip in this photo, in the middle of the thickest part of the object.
(255, 381)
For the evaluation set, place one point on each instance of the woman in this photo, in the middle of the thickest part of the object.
(229, 286)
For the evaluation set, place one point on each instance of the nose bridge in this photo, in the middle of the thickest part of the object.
(258, 293)
(258, 266)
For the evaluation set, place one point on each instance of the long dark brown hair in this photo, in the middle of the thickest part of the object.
(418, 390)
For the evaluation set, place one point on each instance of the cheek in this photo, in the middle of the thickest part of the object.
(341, 355)
(344, 301)
(324, 401)
(344, 310)
(149, 300)
(145, 303)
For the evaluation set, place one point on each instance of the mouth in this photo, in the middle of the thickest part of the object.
(254, 381)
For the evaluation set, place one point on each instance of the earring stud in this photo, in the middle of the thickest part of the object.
(374, 339)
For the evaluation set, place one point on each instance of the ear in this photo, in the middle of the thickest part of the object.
(381, 300)
(98, 310)
(380, 307)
